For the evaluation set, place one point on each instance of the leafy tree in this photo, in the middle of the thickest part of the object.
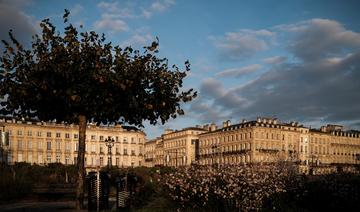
(77, 77)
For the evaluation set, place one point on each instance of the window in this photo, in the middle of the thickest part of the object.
(67, 135)
(132, 140)
(19, 132)
(29, 144)
(29, 133)
(58, 145)
(20, 157)
(125, 151)
(93, 137)
(48, 145)
(132, 152)
(117, 162)
(101, 149)
(40, 158)
(93, 148)
(48, 158)
(76, 136)
(117, 150)
(39, 145)
(58, 135)
(20, 145)
(101, 161)
(76, 147)
(101, 138)
(58, 158)
(67, 146)
(125, 139)
(48, 134)
(75, 160)
(67, 160)
(117, 139)
(30, 160)
(39, 134)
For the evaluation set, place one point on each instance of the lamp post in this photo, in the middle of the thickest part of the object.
(109, 143)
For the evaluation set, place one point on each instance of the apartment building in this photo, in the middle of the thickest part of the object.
(174, 148)
(268, 140)
(42, 143)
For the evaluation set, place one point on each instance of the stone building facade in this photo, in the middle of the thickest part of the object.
(42, 143)
(174, 148)
(267, 140)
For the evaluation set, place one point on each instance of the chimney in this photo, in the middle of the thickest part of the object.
(226, 123)
(213, 127)
(206, 127)
(167, 131)
(258, 119)
(243, 121)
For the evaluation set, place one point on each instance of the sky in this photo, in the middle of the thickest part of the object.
(286, 59)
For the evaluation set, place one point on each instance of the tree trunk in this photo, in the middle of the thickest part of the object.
(81, 164)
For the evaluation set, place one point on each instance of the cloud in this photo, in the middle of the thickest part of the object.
(76, 9)
(156, 7)
(320, 38)
(318, 88)
(239, 72)
(110, 24)
(133, 10)
(275, 59)
(11, 17)
(139, 40)
(243, 44)
(114, 10)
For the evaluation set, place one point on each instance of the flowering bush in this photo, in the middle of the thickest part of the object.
(231, 187)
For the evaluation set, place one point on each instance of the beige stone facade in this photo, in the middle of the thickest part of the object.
(267, 140)
(180, 146)
(174, 148)
(150, 152)
(42, 143)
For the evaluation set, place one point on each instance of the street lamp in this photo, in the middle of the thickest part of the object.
(109, 142)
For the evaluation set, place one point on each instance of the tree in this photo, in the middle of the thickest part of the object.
(74, 77)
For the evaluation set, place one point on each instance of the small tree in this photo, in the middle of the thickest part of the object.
(79, 78)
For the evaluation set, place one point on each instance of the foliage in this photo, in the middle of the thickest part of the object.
(18, 180)
(226, 187)
(78, 73)
(77, 77)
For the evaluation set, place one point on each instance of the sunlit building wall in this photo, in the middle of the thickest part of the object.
(42, 143)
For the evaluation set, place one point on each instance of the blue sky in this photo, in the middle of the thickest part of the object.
(294, 60)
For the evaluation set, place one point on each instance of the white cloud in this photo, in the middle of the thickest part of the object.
(239, 72)
(319, 83)
(111, 25)
(243, 44)
(114, 10)
(156, 7)
(139, 40)
(275, 59)
(76, 10)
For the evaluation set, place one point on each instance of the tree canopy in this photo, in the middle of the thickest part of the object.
(78, 73)
(77, 77)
